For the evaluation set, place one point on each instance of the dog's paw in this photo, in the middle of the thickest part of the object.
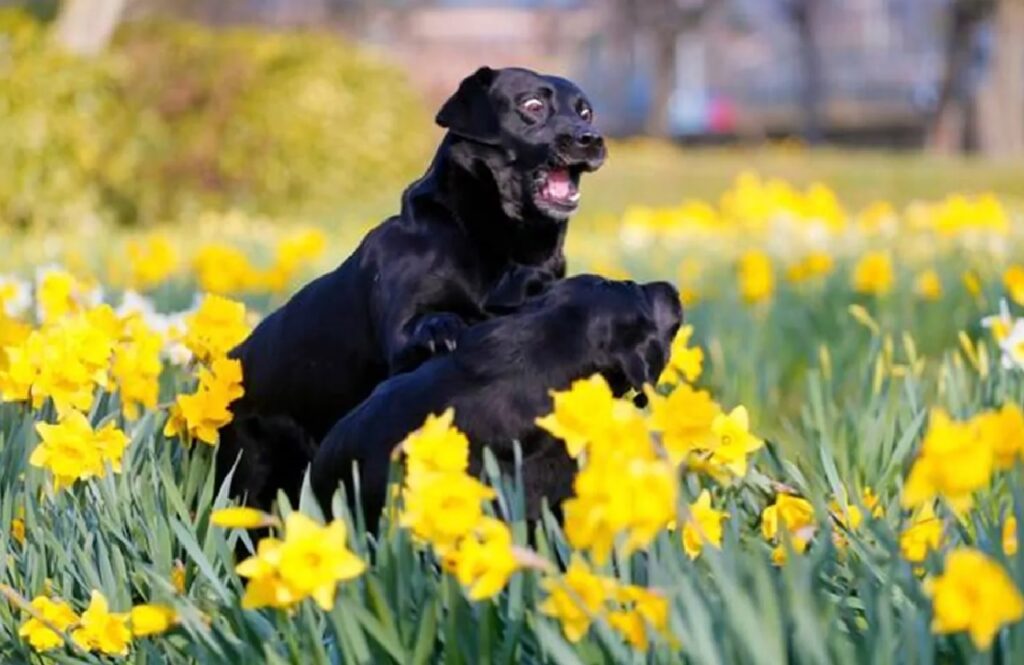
(516, 287)
(432, 334)
(437, 333)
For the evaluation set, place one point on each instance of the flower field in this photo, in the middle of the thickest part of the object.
(829, 470)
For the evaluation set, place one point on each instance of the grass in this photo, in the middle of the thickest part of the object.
(657, 174)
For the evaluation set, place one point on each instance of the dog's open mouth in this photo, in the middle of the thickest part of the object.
(557, 188)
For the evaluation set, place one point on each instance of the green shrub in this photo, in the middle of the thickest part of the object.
(58, 119)
(177, 118)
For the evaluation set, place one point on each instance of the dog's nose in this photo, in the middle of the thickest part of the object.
(586, 138)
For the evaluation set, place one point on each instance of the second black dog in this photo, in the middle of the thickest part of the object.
(499, 380)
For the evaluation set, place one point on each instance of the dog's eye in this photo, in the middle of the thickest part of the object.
(586, 113)
(532, 105)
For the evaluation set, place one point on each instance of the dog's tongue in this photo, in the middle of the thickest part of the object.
(559, 184)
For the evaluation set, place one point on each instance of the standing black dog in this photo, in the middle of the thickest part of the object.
(496, 197)
(499, 380)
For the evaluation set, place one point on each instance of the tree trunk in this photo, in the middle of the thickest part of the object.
(811, 82)
(85, 27)
(1001, 98)
(948, 127)
(658, 119)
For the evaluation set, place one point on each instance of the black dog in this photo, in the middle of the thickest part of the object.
(497, 195)
(498, 381)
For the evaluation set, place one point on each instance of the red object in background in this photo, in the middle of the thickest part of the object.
(721, 116)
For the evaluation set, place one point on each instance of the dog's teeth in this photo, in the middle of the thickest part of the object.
(574, 197)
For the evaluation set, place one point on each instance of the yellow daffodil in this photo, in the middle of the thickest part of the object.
(215, 328)
(178, 577)
(151, 260)
(974, 594)
(632, 497)
(223, 269)
(953, 463)
(13, 334)
(18, 530)
(631, 626)
(928, 285)
(1010, 536)
(203, 413)
(136, 368)
(872, 502)
(54, 614)
(643, 609)
(484, 560)
(703, 526)
(756, 277)
(684, 418)
(102, 630)
(579, 413)
(241, 517)
(791, 514)
(813, 266)
(1013, 280)
(265, 588)
(314, 558)
(972, 283)
(1003, 432)
(149, 620)
(59, 293)
(443, 507)
(436, 447)
(847, 516)
(290, 254)
(735, 442)
(873, 274)
(685, 362)
(308, 562)
(66, 360)
(72, 450)
(575, 598)
(923, 535)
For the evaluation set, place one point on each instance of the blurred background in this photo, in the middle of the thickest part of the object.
(140, 111)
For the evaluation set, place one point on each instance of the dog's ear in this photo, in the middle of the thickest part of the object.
(469, 113)
(636, 370)
(643, 364)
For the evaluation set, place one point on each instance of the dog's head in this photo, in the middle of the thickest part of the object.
(534, 133)
(628, 327)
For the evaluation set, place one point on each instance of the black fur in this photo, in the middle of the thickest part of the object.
(499, 380)
(476, 217)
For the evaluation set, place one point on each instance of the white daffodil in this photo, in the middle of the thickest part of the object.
(15, 296)
(1000, 323)
(1013, 346)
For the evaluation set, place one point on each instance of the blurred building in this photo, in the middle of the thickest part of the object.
(441, 42)
(880, 64)
(740, 71)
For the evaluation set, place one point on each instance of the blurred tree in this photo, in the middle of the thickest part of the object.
(803, 15)
(86, 26)
(662, 22)
(949, 126)
(1000, 103)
